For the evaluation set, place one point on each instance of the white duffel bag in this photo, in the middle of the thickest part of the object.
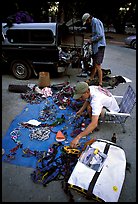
(100, 171)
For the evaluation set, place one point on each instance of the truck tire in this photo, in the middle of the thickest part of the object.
(21, 69)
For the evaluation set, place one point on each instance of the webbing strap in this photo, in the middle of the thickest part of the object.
(96, 175)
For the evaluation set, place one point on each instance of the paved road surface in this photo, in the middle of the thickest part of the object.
(16, 183)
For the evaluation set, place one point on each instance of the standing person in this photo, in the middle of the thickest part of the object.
(96, 100)
(98, 45)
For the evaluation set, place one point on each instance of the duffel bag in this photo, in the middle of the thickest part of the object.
(100, 171)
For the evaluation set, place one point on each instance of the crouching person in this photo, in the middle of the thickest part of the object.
(96, 101)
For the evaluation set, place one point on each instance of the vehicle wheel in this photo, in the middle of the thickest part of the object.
(21, 69)
(133, 45)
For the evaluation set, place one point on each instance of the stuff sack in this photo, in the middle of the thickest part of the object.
(100, 171)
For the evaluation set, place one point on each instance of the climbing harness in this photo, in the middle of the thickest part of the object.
(72, 151)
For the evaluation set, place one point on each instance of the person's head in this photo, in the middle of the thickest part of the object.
(82, 91)
(86, 18)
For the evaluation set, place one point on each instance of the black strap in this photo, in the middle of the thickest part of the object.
(106, 148)
(91, 185)
(96, 175)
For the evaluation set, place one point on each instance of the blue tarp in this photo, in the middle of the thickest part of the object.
(33, 111)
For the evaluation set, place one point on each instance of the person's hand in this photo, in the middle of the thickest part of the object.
(74, 142)
(79, 112)
(90, 41)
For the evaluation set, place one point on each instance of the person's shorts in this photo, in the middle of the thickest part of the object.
(98, 57)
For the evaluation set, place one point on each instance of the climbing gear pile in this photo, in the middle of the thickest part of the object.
(56, 164)
(51, 166)
(42, 133)
(59, 160)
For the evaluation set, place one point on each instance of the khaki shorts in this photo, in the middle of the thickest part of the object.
(98, 57)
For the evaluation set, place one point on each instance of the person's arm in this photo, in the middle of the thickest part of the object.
(82, 108)
(98, 32)
(88, 130)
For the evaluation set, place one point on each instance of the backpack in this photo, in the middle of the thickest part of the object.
(19, 17)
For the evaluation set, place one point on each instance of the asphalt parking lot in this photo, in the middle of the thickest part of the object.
(16, 183)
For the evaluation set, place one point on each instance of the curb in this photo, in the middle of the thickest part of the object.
(116, 42)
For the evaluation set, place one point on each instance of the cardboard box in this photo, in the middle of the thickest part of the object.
(44, 79)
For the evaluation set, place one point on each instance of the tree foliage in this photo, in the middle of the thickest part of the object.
(116, 12)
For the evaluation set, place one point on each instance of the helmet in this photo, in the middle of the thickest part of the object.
(85, 17)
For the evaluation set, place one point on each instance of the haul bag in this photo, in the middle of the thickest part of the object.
(100, 171)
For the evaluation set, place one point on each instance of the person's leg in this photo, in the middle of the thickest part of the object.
(96, 68)
(93, 72)
(100, 74)
(103, 112)
(97, 61)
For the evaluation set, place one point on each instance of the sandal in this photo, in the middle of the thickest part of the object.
(88, 81)
(100, 85)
